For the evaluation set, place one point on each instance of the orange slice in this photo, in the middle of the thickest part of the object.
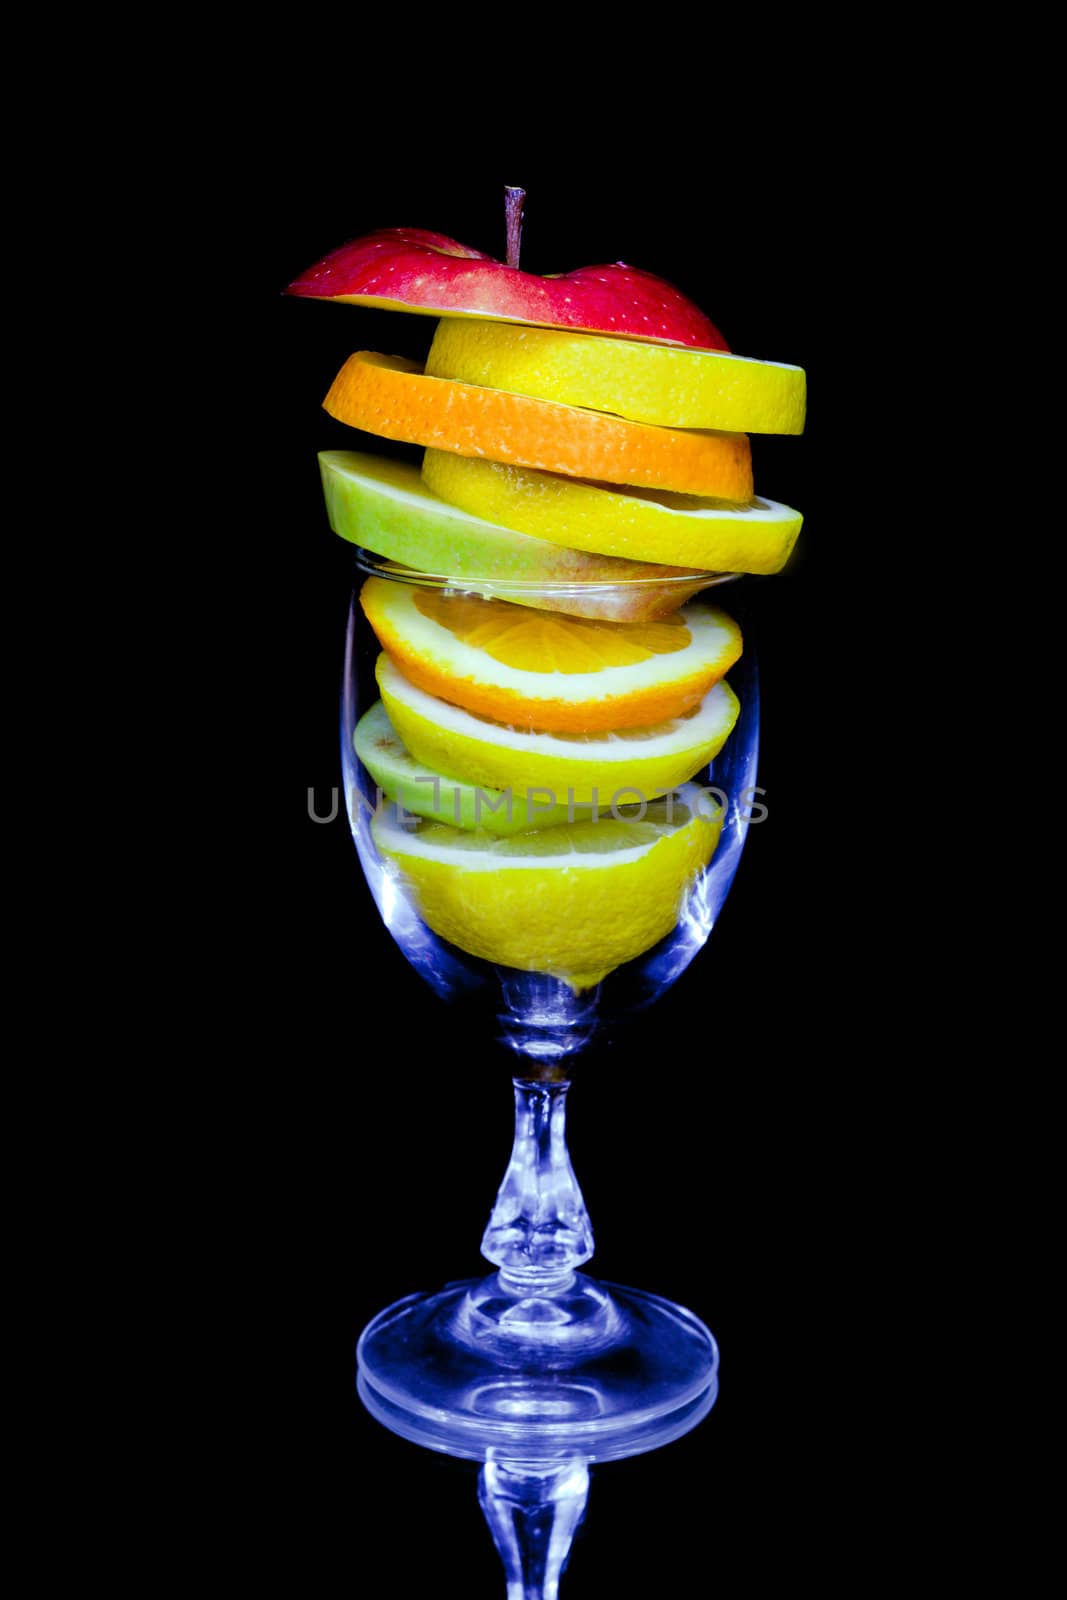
(391, 397)
(542, 670)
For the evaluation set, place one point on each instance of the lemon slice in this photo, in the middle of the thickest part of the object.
(673, 388)
(575, 901)
(586, 769)
(427, 794)
(641, 525)
(538, 669)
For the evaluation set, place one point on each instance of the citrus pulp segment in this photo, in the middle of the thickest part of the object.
(390, 396)
(574, 901)
(587, 769)
(669, 387)
(406, 781)
(385, 506)
(559, 674)
(640, 525)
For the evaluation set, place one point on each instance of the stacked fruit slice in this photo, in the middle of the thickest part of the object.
(549, 755)
(515, 447)
(586, 467)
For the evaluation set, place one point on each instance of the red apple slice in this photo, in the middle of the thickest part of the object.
(409, 269)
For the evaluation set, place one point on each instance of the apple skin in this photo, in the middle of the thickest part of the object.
(410, 269)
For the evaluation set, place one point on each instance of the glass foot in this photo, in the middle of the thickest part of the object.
(615, 1373)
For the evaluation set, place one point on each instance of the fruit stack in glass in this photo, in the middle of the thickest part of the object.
(547, 703)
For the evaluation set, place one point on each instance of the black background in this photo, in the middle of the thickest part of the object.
(728, 1142)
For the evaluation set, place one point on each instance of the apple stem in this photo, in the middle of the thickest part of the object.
(513, 204)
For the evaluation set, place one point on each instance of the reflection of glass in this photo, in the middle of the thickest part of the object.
(537, 1370)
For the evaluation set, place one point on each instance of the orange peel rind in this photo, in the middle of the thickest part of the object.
(389, 396)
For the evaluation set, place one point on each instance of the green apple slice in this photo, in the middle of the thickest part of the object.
(403, 779)
(385, 506)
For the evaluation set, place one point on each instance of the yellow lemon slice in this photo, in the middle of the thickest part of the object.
(575, 901)
(581, 769)
(673, 388)
(642, 525)
(540, 669)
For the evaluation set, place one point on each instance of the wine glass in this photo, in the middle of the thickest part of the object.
(537, 1370)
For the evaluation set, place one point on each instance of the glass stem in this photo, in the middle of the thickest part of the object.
(533, 1512)
(539, 1231)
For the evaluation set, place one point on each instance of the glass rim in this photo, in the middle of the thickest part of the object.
(494, 584)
